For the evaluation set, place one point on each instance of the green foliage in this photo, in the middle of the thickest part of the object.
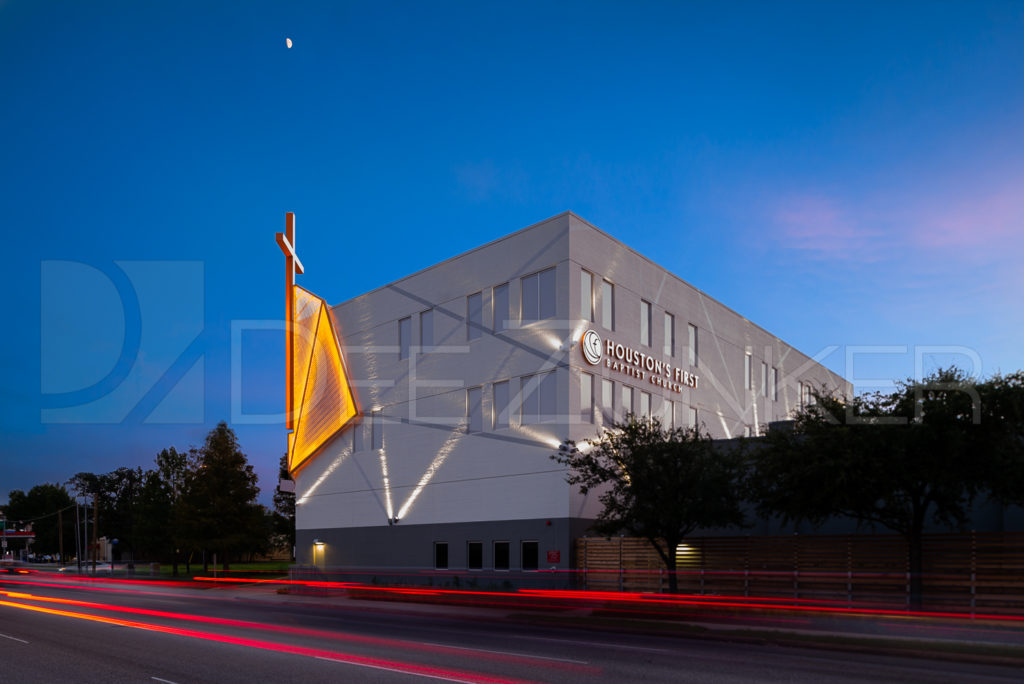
(284, 510)
(39, 508)
(218, 510)
(925, 452)
(657, 483)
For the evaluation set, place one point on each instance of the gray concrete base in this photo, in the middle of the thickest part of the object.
(400, 553)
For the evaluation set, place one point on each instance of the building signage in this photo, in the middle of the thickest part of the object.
(623, 359)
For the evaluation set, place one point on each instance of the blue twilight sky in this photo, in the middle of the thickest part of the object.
(841, 174)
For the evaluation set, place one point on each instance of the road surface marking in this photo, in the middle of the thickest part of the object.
(597, 644)
(395, 669)
(166, 681)
(509, 653)
(5, 636)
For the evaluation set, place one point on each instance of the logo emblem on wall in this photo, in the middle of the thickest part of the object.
(591, 344)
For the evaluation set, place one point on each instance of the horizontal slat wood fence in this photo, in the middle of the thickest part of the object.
(965, 572)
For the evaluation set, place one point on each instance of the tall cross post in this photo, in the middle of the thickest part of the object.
(286, 241)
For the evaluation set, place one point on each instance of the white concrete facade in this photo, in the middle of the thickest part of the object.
(432, 461)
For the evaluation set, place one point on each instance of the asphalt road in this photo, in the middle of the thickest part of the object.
(60, 629)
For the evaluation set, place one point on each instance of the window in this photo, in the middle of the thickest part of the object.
(748, 362)
(404, 337)
(539, 296)
(645, 323)
(530, 555)
(607, 305)
(501, 555)
(677, 415)
(586, 296)
(806, 398)
(426, 330)
(499, 299)
(607, 402)
(500, 405)
(692, 330)
(764, 379)
(540, 400)
(693, 416)
(746, 431)
(474, 316)
(475, 409)
(376, 430)
(627, 400)
(440, 555)
(645, 405)
(357, 437)
(586, 397)
(665, 414)
(774, 389)
(475, 555)
(670, 334)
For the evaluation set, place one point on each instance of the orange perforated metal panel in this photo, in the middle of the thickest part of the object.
(323, 398)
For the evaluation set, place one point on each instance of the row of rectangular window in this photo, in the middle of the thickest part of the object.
(671, 411)
(537, 303)
(587, 311)
(540, 404)
(529, 558)
(769, 386)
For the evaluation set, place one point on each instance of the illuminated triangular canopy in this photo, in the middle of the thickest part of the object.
(320, 389)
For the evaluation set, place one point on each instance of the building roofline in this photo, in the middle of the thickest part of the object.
(687, 283)
(572, 215)
(459, 256)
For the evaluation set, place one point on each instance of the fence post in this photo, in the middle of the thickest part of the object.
(908, 573)
(586, 565)
(796, 565)
(849, 572)
(974, 572)
(746, 569)
(620, 563)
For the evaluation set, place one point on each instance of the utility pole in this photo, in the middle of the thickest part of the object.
(60, 534)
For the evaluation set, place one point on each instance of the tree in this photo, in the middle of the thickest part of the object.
(897, 460)
(657, 483)
(1002, 403)
(166, 491)
(284, 508)
(114, 494)
(218, 508)
(39, 507)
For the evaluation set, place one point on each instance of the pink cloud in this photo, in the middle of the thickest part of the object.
(993, 221)
(815, 223)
